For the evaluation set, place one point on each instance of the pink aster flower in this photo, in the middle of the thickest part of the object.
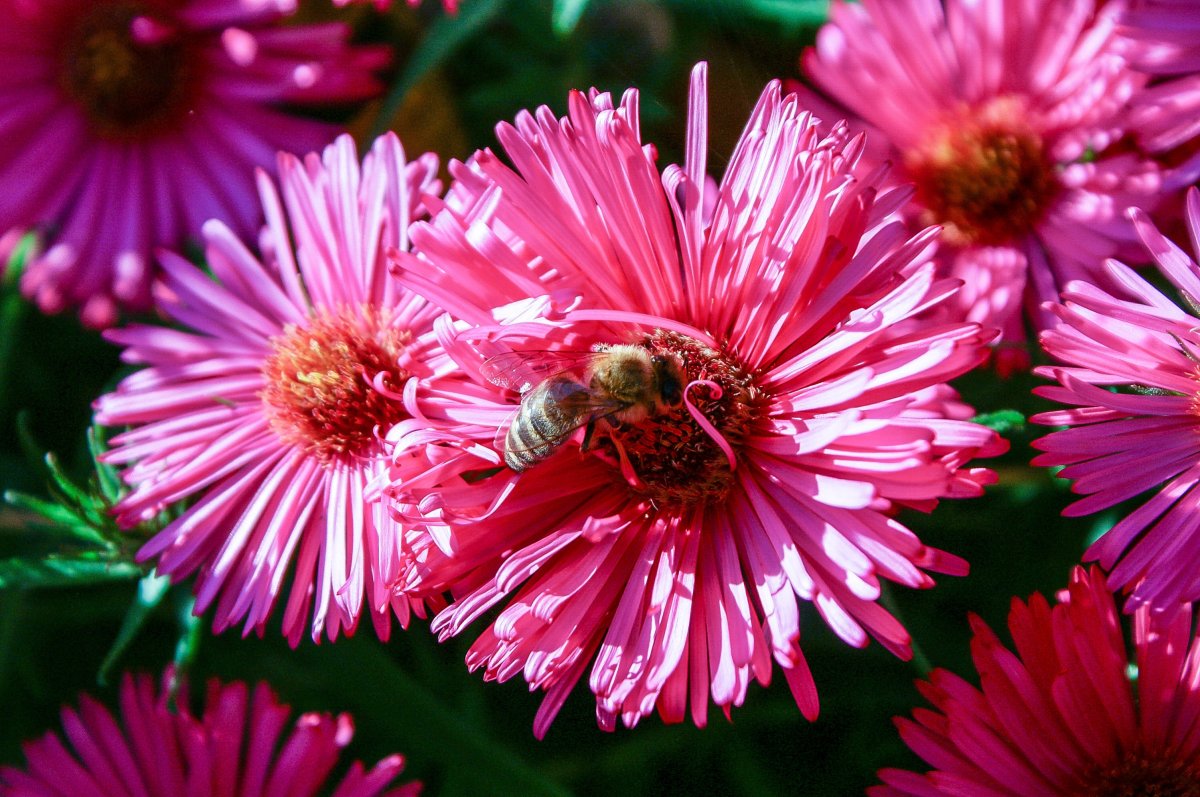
(1167, 114)
(1010, 118)
(1062, 715)
(239, 745)
(791, 409)
(128, 123)
(266, 407)
(1129, 442)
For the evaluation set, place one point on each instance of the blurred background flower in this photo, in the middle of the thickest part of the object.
(130, 124)
(1011, 119)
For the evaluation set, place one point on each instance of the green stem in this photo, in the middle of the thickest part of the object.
(920, 661)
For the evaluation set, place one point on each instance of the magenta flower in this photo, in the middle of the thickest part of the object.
(237, 746)
(129, 124)
(1062, 715)
(1167, 114)
(1125, 443)
(1008, 116)
(268, 407)
(797, 409)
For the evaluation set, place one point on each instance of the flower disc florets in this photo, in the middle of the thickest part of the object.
(319, 392)
(127, 68)
(984, 175)
(675, 460)
(1162, 775)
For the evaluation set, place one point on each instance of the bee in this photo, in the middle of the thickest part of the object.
(563, 391)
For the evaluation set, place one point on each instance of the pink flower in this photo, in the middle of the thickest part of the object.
(267, 409)
(237, 746)
(1143, 438)
(1167, 114)
(1062, 715)
(796, 409)
(1010, 118)
(127, 124)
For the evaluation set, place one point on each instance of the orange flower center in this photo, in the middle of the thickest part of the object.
(677, 462)
(319, 392)
(984, 175)
(1143, 776)
(129, 69)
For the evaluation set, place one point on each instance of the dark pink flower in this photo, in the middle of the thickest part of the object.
(1167, 114)
(239, 745)
(668, 560)
(1011, 119)
(1063, 715)
(1142, 437)
(128, 123)
(268, 405)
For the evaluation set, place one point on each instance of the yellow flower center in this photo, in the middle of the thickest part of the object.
(318, 390)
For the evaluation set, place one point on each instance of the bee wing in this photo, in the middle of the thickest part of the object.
(574, 400)
(521, 370)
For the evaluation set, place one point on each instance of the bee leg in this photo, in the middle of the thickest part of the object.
(587, 435)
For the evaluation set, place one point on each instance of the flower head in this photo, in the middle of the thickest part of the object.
(1062, 715)
(1009, 117)
(236, 746)
(782, 408)
(1144, 437)
(131, 122)
(269, 408)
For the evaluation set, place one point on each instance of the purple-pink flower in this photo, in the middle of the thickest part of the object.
(1062, 714)
(1011, 118)
(1131, 382)
(798, 408)
(240, 744)
(1166, 116)
(128, 123)
(269, 405)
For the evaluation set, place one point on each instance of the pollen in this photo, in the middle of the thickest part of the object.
(319, 391)
(127, 66)
(984, 175)
(1144, 776)
(677, 463)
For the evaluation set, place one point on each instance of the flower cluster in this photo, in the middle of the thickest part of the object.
(633, 418)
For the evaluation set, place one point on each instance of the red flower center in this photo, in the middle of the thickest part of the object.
(319, 392)
(1144, 776)
(129, 69)
(677, 462)
(984, 175)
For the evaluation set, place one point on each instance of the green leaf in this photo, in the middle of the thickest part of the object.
(106, 475)
(788, 13)
(150, 592)
(1003, 422)
(566, 15)
(64, 571)
(191, 632)
(441, 41)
